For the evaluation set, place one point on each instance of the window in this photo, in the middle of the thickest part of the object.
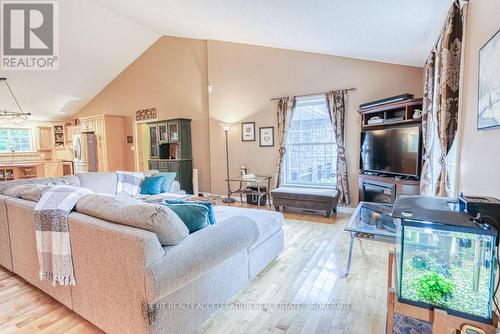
(21, 140)
(311, 151)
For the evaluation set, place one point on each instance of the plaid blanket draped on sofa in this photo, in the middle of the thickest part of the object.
(52, 233)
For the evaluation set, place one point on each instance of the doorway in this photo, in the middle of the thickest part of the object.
(141, 146)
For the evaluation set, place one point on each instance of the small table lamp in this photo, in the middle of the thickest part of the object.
(228, 199)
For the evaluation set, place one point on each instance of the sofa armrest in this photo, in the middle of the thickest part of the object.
(199, 252)
(110, 262)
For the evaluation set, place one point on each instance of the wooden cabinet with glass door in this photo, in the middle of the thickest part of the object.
(170, 149)
(59, 136)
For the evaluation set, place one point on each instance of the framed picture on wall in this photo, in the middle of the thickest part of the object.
(248, 131)
(266, 136)
(488, 101)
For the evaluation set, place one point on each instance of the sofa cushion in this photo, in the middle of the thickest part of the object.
(197, 254)
(128, 211)
(306, 194)
(208, 205)
(99, 182)
(267, 222)
(68, 179)
(152, 185)
(17, 190)
(195, 216)
(167, 181)
(30, 192)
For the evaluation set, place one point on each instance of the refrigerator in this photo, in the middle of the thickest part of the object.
(85, 152)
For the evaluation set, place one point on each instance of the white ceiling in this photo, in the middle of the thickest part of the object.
(393, 31)
(95, 46)
(100, 38)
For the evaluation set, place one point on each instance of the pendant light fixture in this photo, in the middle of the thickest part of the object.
(8, 113)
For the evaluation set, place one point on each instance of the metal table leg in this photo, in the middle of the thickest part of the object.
(349, 259)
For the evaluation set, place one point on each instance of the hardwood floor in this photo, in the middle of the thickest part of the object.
(309, 270)
(26, 309)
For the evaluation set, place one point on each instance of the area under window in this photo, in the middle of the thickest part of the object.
(311, 151)
(19, 140)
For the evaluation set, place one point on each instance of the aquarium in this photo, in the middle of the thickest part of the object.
(445, 261)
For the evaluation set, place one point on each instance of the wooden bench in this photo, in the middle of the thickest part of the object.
(307, 198)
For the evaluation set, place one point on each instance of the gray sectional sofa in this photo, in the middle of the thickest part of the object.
(127, 282)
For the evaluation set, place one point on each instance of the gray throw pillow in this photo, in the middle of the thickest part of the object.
(128, 211)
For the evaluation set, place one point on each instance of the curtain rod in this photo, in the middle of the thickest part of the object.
(304, 95)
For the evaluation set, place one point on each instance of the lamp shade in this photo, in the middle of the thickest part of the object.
(225, 126)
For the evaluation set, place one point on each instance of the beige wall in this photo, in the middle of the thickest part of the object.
(171, 76)
(245, 77)
(480, 150)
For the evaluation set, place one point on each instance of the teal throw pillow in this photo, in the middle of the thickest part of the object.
(194, 216)
(208, 205)
(152, 185)
(169, 179)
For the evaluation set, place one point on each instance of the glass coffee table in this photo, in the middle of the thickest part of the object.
(370, 221)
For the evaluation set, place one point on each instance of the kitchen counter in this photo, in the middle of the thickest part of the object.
(30, 169)
(20, 164)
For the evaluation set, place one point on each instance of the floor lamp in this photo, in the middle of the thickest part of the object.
(228, 199)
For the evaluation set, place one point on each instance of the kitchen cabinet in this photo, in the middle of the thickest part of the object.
(44, 138)
(59, 136)
(29, 170)
(111, 142)
(71, 130)
(52, 168)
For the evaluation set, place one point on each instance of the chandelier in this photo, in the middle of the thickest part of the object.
(12, 114)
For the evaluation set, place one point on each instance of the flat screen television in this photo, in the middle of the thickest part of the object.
(394, 151)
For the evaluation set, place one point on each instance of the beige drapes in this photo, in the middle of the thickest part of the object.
(336, 109)
(428, 125)
(441, 102)
(449, 57)
(284, 106)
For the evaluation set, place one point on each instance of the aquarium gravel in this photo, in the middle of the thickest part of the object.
(463, 298)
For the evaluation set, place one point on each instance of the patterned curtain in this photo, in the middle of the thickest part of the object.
(336, 108)
(428, 125)
(449, 56)
(284, 112)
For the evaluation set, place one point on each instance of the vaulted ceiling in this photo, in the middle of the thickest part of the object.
(392, 31)
(100, 38)
(96, 44)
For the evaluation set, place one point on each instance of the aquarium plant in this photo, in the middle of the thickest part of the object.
(435, 288)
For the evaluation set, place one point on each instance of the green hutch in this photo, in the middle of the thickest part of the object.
(170, 149)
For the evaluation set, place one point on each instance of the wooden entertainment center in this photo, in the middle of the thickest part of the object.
(385, 188)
